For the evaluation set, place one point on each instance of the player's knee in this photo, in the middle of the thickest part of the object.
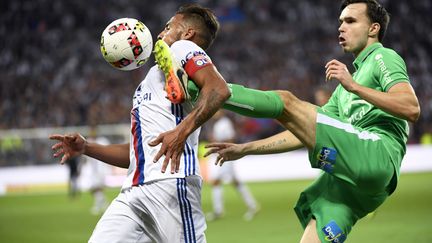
(287, 97)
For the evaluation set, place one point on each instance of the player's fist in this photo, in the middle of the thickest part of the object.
(338, 71)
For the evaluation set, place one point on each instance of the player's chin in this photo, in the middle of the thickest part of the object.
(345, 48)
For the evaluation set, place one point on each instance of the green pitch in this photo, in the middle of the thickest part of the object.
(53, 217)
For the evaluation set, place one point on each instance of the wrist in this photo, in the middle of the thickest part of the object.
(354, 88)
(244, 148)
(86, 147)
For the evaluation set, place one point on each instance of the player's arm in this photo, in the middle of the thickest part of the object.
(73, 145)
(113, 154)
(279, 143)
(400, 100)
(214, 92)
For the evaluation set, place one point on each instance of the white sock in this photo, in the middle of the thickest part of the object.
(99, 199)
(217, 199)
(247, 196)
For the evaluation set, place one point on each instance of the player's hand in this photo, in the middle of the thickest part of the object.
(68, 146)
(339, 71)
(225, 151)
(172, 147)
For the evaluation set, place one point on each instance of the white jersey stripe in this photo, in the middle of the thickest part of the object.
(364, 135)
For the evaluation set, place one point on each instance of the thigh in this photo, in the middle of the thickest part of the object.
(171, 209)
(119, 224)
(352, 154)
(336, 206)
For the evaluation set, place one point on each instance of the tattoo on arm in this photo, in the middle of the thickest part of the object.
(207, 106)
(271, 145)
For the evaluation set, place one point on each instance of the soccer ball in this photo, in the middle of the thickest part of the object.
(126, 44)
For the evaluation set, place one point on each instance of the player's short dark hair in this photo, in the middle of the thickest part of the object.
(376, 13)
(205, 21)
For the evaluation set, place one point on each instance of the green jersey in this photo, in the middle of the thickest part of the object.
(378, 68)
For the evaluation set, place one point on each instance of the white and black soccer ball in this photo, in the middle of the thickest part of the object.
(126, 44)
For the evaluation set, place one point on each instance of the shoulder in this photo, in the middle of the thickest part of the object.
(387, 55)
(181, 44)
(184, 50)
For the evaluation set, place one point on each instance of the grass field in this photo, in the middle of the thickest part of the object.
(52, 217)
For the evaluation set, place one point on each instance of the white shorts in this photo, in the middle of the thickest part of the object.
(161, 211)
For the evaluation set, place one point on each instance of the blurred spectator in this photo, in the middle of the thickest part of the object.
(95, 172)
(74, 172)
(224, 131)
(322, 95)
(50, 57)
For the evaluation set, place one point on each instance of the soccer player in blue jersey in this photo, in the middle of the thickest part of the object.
(154, 206)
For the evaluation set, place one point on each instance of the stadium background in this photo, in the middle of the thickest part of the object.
(52, 76)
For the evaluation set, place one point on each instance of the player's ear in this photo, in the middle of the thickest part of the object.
(188, 34)
(374, 30)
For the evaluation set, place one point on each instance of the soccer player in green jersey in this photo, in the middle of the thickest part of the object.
(358, 138)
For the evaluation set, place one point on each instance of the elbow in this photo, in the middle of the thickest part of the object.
(225, 93)
(414, 114)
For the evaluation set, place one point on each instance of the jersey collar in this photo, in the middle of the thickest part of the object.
(365, 53)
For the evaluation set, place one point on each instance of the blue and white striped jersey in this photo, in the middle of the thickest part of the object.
(153, 114)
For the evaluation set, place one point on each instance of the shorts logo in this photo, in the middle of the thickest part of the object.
(327, 159)
(333, 233)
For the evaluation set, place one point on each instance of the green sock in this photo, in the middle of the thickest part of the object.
(247, 102)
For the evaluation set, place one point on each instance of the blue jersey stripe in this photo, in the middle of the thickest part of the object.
(194, 162)
(185, 163)
(183, 214)
(186, 207)
(177, 111)
(189, 211)
(139, 147)
(188, 152)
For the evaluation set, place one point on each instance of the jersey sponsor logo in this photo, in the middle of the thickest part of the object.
(141, 96)
(357, 116)
(327, 159)
(383, 68)
(334, 233)
(191, 55)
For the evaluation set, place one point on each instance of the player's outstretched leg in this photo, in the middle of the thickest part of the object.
(247, 102)
(294, 114)
(175, 77)
(299, 117)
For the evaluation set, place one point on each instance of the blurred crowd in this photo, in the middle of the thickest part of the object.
(52, 73)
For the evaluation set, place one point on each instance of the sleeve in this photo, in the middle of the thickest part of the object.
(332, 104)
(390, 69)
(191, 56)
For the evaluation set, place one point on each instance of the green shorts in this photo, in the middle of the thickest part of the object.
(358, 175)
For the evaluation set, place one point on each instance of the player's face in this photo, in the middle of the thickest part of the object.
(354, 29)
(174, 30)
